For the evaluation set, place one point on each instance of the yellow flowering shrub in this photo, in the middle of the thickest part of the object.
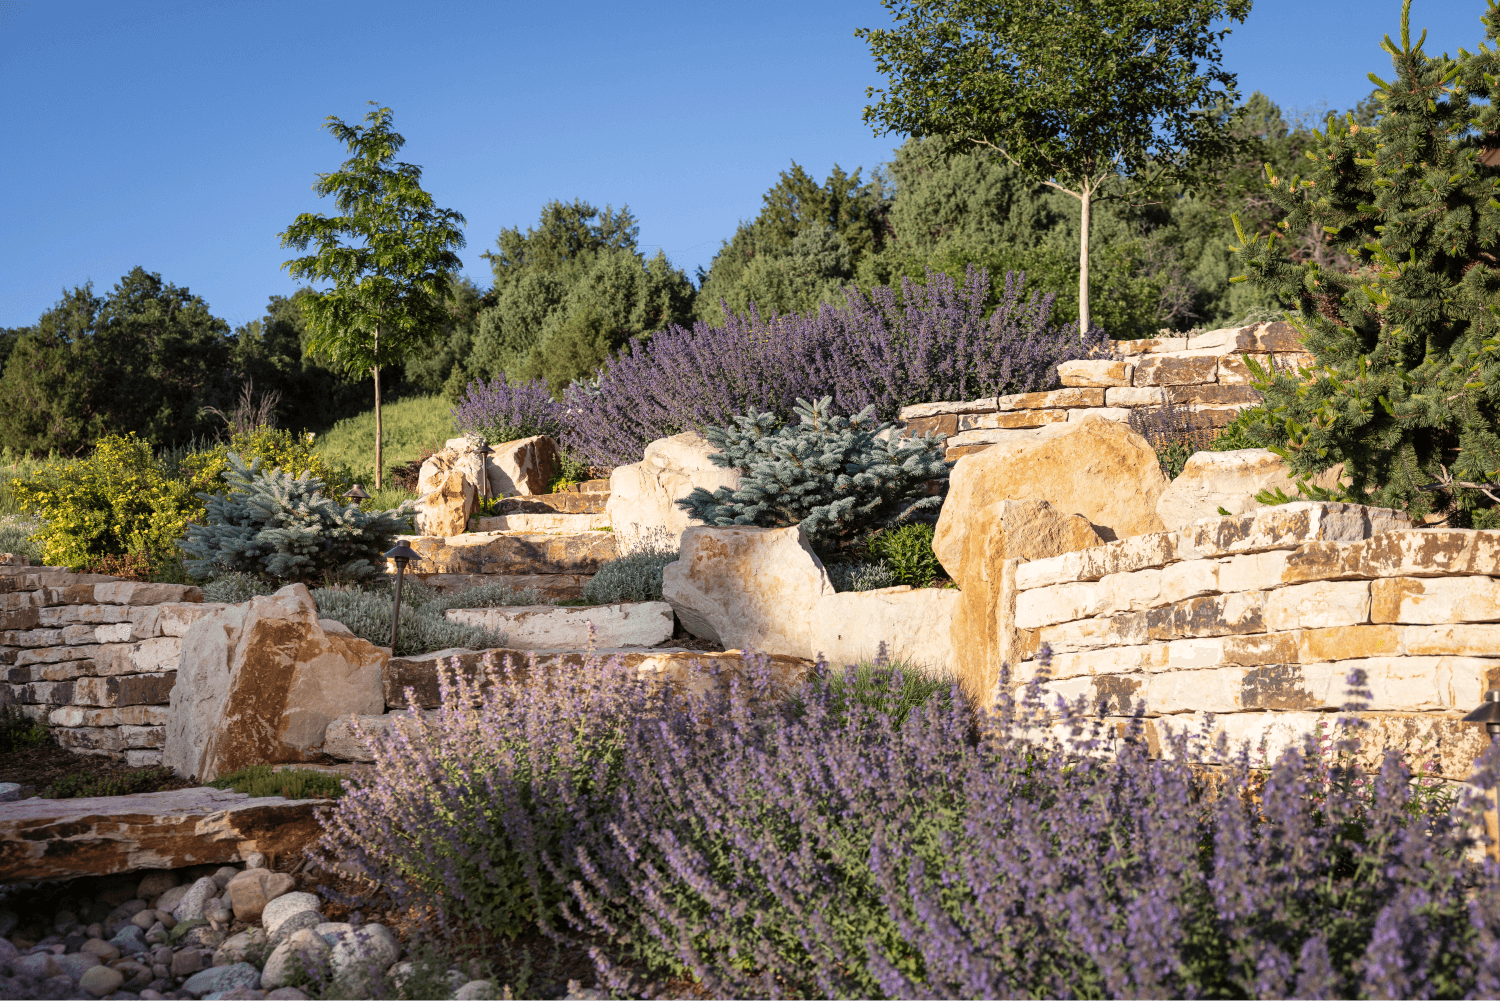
(276, 448)
(117, 501)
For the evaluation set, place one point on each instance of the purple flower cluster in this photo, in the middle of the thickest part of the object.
(834, 847)
(933, 343)
(498, 411)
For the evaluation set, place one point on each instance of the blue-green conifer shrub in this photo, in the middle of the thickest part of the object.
(274, 525)
(834, 474)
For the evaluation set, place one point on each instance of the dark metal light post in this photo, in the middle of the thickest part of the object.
(1488, 713)
(401, 555)
(356, 494)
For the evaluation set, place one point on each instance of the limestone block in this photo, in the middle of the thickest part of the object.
(1144, 345)
(1177, 369)
(1435, 599)
(750, 588)
(1044, 606)
(175, 617)
(54, 654)
(523, 467)
(943, 424)
(124, 690)
(1140, 552)
(914, 624)
(261, 681)
(64, 615)
(1121, 414)
(136, 593)
(1479, 640)
(349, 738)
(1009, 419)
(1055, 398)
(643, 495)
(34, 638)
(445, 509)
(1430, 552)
(114, 716)
(1211, 481)
(1125, 629)
(1287, 526)
(529, 555)
(548, 627)
(1213, 395)
(1141, 589)
(568, 523)
(1215, 615)
(1322, 603)
(1095, 373)
(1234, 372)
(919, 410)
(66, 671)
(1065, 465)
(1253, 571)
(1138, 396)
(48, 839)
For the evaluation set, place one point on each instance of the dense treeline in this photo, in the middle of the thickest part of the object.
(150, 357)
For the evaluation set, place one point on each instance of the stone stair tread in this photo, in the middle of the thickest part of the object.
(550, 522)
(566, 502)
(514, 553)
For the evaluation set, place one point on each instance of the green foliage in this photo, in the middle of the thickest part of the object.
(391, 285)
(235, 587)
(484, 596)
(17, 536)
(1405, 389)
(290, 783)
(17, 732)
(1075, 95)
(893, 689)
(275, 525)
(82, 785)
(800, 250)
(636, 576)
(423, 628)
(295, 454)
(859, 576)
(907, 552)
(409, 426)
(832, 474)
(116, 502)
(145, 359)
(568, 293)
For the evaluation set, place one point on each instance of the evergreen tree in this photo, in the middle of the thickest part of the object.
(1405, 388)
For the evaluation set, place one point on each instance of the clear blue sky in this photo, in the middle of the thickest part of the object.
(184, 137)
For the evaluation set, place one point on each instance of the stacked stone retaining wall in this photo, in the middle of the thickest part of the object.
(94, 656)
(1205, 373)
(1261, 619)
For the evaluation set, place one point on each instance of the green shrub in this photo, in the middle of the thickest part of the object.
(423, 629)
(17, 732)
(907, 553)
(872, 684)
(633, 577)
(204, 468)
(16, 536)
(116, 502)
(235, 587)
(484, 596)
(290, 783)
(274, 525)
(83, 785)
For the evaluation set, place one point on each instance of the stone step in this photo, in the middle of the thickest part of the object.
(555, 586)
(695, 670)
(564, 502)
(548, 627)
(514, 553)
(540, 522)
(66, 838)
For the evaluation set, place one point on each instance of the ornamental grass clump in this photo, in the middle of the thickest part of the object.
(932, 342)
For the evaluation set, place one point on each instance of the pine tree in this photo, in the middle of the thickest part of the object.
(833, 474)
(1405, 388)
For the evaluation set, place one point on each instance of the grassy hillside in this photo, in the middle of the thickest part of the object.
(410, 425)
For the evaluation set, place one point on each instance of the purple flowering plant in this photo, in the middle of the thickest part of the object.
(844, 843)
(499, 411)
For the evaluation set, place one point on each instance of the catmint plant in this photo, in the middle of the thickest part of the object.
(499, 411)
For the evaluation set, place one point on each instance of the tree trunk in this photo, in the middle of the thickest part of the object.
(375, 371)
(1085, 192)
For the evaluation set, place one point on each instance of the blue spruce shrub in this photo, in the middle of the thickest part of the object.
(274, 525)
(833, 474)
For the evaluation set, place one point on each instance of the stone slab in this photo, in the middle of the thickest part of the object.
(1095, 373)
(515, 554)
(914, 624)
(548, 627)
(1426, 552)
(42, 839)
(551, 523)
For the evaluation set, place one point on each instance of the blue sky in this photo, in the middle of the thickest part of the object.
(184, 137)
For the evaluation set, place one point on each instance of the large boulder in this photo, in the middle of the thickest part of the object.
(643, 495)
(748, 588)
(451, 482)
(914, 624)
(1098, 468)
(259, 682)
(523, 467)
(1228, 480)
(979, 545)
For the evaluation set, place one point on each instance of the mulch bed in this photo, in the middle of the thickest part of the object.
(36, 768)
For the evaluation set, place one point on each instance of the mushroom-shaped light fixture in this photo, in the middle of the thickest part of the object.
(1488, 713)
(401, 555)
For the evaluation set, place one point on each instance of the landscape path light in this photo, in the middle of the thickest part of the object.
(401, 555)
(1488, 713)
(356, 494)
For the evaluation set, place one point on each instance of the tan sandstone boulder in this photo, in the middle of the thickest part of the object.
(643, 495)
(1228, 480)
(522, 467)
(1097, 468)
(752, 588)
(979, 546)
(450, 484)
(259, 683)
